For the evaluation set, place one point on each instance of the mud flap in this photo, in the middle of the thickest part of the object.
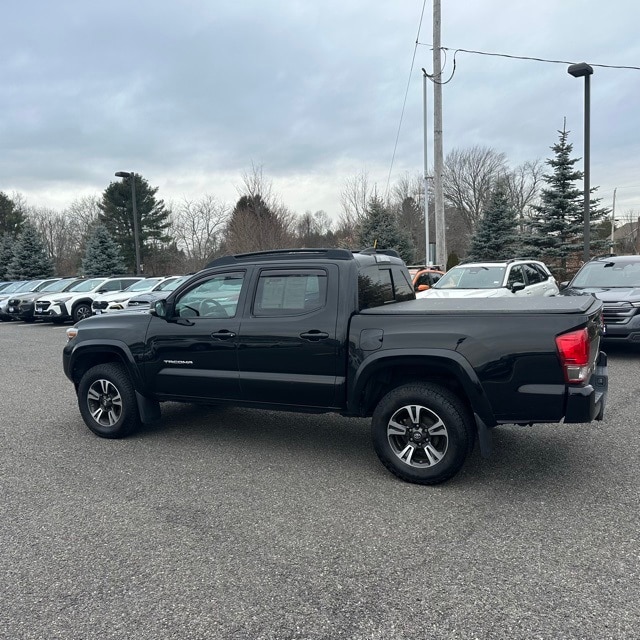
(600, 382)
(148, 409)
(484, 436)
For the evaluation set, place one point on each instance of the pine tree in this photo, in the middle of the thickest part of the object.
(558, 222)
(117, 216)
(7, 243)
(380, 229)
(30, 259)
(11, 216)
(103, 256)
(496, 236)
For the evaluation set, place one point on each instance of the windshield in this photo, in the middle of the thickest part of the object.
(14, 286)
(88, 285)
(144, 285)
(30, 285)
(57, 286)
(608, 274)
(471, 277)
(170, 285)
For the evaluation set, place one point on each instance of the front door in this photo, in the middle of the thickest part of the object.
(194, 353)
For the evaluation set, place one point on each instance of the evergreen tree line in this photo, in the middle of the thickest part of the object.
(492, 212)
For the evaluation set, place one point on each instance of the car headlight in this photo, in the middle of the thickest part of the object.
(71, 332)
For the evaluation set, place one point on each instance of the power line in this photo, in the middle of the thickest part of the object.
(404, 104)
(532, 58)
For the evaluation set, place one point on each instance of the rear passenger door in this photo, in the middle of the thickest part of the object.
(287, 347)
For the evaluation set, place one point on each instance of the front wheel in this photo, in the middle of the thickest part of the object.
(422, 433)
(107, 401)
(82, 311)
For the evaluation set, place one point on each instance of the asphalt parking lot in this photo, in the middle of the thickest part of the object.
(240, 524)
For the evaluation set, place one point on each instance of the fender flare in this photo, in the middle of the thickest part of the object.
(454, 362)
(117, 347)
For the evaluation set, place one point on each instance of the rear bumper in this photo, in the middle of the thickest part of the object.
(588, 403)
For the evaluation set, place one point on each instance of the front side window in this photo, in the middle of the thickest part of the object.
(216, 297)
(283, 293)
(516, 275)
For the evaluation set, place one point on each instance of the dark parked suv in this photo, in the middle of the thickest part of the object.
(616, 281)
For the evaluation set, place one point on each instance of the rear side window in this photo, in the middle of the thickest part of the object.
(286, 293)
(533, 275)
(381, 285)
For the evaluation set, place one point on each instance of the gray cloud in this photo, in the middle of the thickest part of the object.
(191, 93)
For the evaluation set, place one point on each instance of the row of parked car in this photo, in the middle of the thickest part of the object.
(61, 299)
(613, 279)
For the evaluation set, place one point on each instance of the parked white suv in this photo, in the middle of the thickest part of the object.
(75, 304)
(520, 277)
(108, 302)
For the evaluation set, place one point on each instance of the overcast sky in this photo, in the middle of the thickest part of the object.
(192, 93)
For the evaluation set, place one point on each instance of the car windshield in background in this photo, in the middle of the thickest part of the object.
(14, 286)
(471, 277)
(87, 285)
(55, 287)
(144, 285)
(170, 285)
(29, 286)
(608, 274)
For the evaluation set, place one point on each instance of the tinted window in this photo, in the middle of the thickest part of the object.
(382, 285)
(282, 293)
(402, 287)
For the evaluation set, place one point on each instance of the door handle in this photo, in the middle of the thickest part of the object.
(224, 334)
(314, 335)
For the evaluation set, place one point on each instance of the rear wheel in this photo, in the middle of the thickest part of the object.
(422, 433)
(107, 401)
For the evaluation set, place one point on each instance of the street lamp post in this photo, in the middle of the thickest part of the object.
(580, 70)
(136, 235)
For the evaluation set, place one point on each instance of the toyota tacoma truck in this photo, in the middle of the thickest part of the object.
(331, 330)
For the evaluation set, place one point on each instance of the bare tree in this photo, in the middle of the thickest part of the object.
(259, 220)
(198, 227)
(468, 180)
(314, 229)
(84, 211)
(355, 197)
(60, 237)
(523, 186)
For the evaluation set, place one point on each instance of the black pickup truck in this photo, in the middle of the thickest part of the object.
(330, 330)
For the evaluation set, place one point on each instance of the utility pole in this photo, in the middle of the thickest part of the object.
(613, 221)
(438, 162)
(427, 261)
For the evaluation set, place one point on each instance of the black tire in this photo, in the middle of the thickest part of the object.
(422, 433)
(81, 311)
(107, 401)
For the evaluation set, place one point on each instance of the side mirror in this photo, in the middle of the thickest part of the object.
(160, 308)
(422, 287)
(517, 286)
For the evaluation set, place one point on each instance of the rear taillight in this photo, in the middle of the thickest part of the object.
(573, 348)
